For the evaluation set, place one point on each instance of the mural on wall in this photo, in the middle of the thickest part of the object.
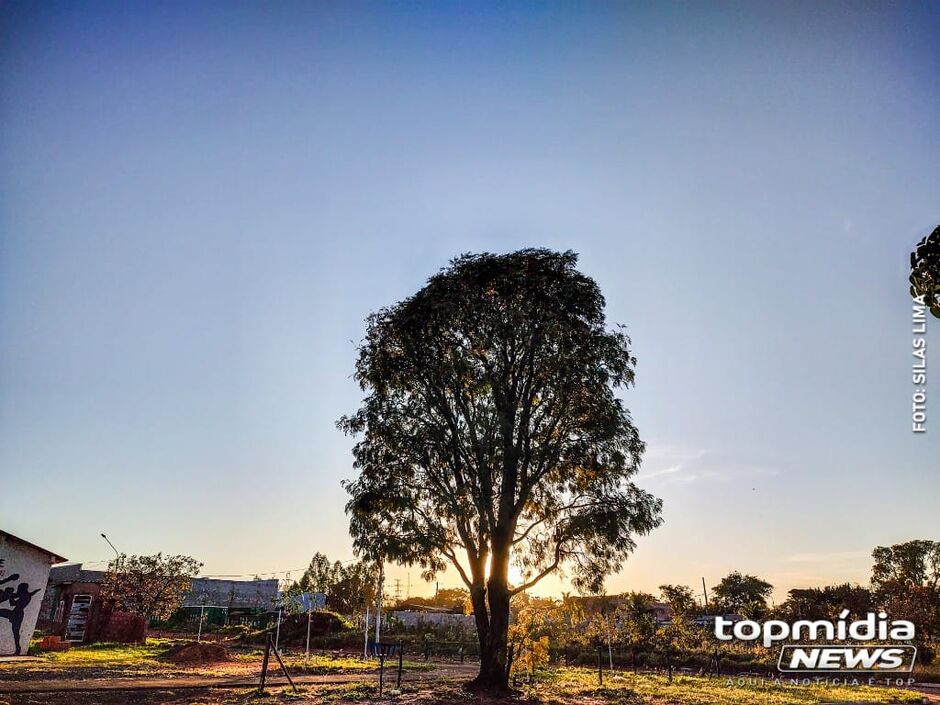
(18, 599)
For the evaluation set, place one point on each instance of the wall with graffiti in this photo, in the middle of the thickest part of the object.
(24, 570)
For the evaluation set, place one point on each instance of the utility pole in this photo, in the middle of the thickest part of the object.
(309, 619)
(397, 590)
(705, 593)
(408, 589)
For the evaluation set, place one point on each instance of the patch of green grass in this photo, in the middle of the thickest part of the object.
(105, 653)
(319, 664)
(347, 692)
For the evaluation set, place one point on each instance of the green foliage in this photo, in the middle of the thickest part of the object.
(679, 597)
(529, 633)
(348, 587)
(490, 410)
(925, 271)
(491, 432)
(743, 594)
(152, 587)
(905, 581)
(825, 602)
(911, 563)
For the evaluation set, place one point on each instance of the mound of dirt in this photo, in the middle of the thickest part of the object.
(194, 653)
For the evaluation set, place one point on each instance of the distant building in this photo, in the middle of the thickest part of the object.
(220, 602)
(74, 609)
(24, 569)
(232, 594)
(424, 617)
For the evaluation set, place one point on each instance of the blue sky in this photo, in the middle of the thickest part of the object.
(200, 203)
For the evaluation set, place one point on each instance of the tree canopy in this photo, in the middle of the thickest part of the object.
(743, 594)
(348, 587)
(152, 587)
(905, 581)
(925, 271)
(679, 597)
(491, 432)
(914, 563)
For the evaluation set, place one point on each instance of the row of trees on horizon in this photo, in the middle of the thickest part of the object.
(905, 583)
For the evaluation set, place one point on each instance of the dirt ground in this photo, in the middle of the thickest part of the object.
(426, 694)
(111, 674)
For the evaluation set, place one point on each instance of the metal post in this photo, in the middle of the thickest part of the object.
(365, 648)
(309, 618)
(202, 609)
(277, 635)
(381, 669)
(378, 605)
(401, 650)
(264, 662)
(284, 668)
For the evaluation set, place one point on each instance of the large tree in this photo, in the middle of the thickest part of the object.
(679, 597)
(905, 581)
(743, 594)
(348, 587)
(152, 587)
(914, 563)
(491, 434)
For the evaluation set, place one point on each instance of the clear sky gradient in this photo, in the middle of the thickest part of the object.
(200, 203)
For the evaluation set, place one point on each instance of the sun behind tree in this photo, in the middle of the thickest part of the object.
(491, 435)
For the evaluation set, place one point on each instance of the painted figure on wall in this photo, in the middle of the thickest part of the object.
(19, 599)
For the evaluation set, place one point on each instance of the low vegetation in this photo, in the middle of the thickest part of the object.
(126, 661)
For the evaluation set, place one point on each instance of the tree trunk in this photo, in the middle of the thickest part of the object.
(494, 656)
(480, 615)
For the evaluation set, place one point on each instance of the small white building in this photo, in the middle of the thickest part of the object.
(24, 571)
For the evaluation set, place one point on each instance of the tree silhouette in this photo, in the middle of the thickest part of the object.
(491, 434)
(925, 271)
(744, 594)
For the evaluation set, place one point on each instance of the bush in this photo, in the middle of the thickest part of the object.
(293, 632)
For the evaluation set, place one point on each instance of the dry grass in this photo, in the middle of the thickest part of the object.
(563, 686)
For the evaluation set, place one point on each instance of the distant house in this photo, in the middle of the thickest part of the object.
(74, 609)
(227, 601)
(662, 611)
(232, 594)
(24, 569)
